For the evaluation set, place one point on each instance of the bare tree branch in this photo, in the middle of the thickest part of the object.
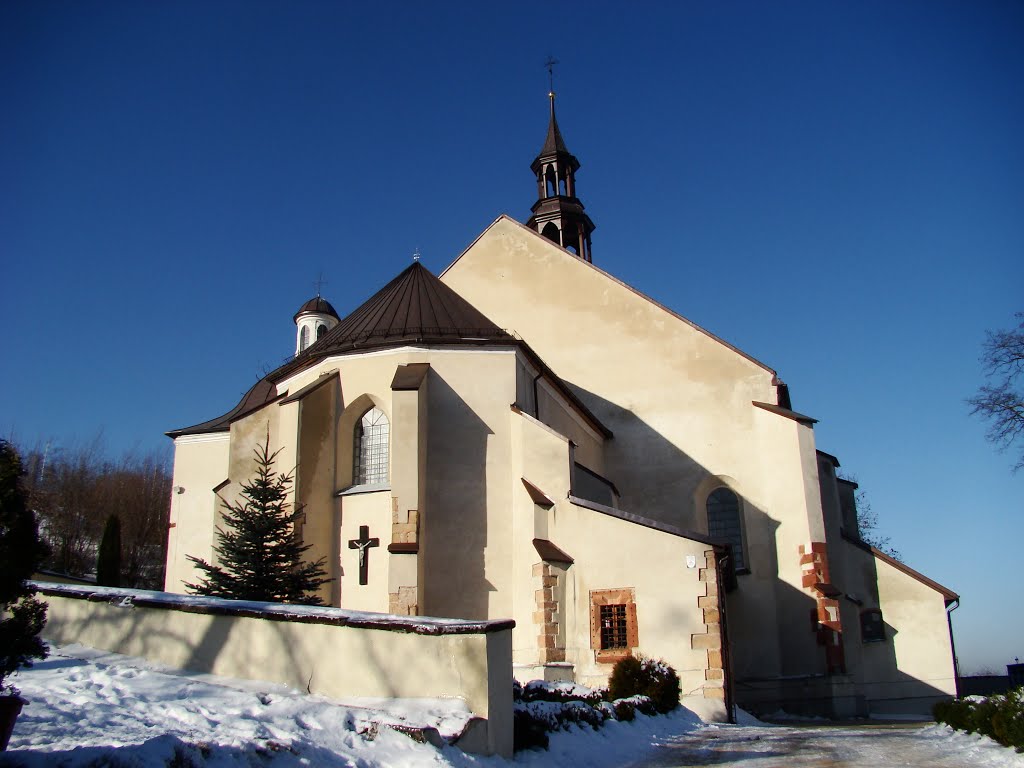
(1000, 400)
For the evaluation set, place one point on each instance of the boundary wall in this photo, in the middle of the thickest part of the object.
(328, 651)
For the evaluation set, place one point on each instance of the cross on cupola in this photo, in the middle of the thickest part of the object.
(558, 214)
(363, 544)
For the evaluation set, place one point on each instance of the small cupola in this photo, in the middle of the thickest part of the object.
(558, 213)
(314, 318)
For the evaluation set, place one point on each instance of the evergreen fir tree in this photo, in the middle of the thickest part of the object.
(108, 562)
(22, 615)
(260, 557)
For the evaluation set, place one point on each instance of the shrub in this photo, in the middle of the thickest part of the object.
(999, 717)
(641, 676)
(540, 690)
(22, 615)
(528, 730)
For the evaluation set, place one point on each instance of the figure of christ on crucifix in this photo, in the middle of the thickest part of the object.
(363, 543)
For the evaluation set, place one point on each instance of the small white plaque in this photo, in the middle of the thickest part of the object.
(691, 561)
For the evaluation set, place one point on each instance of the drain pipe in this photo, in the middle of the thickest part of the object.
(952, 644)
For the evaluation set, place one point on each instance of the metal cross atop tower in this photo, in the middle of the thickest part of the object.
(549, 65)
(319, 283)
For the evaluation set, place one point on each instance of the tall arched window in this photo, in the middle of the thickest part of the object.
(321, 329)
(724, 523)
(304, 338)
(370, 449)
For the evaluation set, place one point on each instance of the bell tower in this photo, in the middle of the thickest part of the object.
(558, 214)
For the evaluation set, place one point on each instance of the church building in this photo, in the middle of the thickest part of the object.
(526, 436)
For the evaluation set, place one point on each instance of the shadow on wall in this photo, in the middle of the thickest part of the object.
(455, 536)
(762, 616)
(772, 625)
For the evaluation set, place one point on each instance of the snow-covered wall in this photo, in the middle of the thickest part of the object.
(328, 651)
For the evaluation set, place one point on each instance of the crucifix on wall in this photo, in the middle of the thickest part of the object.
(363, 543)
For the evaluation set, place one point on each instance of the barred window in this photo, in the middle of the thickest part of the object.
(613, 627)
(370, 449)
(724, 522)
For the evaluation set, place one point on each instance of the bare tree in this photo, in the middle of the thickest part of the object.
(867, 520)
(1001, 400)
(75, 490)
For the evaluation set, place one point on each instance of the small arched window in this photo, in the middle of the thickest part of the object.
(303, 338)
(551, 232)
(724, 523)
(370, 449)
(321, 329)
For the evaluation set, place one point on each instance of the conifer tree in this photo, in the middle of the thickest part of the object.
(108, 561)
(22, 615)
(259, 555)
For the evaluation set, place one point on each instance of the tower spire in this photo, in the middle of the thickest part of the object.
(558, 214)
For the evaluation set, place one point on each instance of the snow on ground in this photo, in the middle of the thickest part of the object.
(89, 709)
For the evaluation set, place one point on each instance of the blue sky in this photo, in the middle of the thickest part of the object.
(836, 188)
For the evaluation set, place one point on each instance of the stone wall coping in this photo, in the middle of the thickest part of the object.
(308, 614)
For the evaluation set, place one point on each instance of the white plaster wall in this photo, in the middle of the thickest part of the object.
(374, 511)
(200, 464)
(677, 399)
(334, 661)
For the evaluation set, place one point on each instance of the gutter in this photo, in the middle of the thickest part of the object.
(950, 607)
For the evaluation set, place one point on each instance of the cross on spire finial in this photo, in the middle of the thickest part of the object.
(319, 283)
(549, 65)
(416, 254)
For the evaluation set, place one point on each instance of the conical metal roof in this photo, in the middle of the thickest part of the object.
(553, 143)
(414, 307)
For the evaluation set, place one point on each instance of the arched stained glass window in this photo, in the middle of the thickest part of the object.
(370, 449)
(724, 523)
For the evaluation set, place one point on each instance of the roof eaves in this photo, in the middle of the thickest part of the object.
(947, 593)
(786, 413)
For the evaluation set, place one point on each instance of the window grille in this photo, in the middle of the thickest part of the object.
(724, 522)
(370, 449)
(613, 627)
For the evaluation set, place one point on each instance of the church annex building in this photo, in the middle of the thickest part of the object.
(462, 448)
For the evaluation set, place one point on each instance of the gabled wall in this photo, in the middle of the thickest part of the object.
(681, 406)
(677, 399)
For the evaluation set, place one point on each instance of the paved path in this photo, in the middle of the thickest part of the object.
(876, 746)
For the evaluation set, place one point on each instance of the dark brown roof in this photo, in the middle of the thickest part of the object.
(409, 378)
(798, 417)
(262, 392)
(538, 496)
(553, 142)
(415, 307)
(554, 145)
(316, 304)
(550, 552)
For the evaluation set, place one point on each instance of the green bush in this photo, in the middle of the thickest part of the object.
(999, 717)
(641, 676)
